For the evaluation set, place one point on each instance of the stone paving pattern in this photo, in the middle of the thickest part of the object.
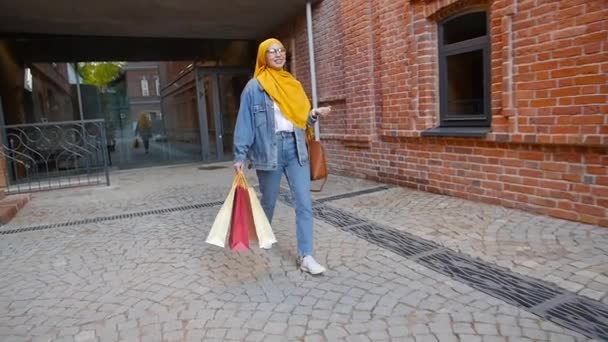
(153, 278)
(571, 255)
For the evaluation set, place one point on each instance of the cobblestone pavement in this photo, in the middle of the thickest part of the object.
(130, 191)
(571, 255)
(152, 277)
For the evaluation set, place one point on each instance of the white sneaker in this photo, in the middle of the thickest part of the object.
(310, 265)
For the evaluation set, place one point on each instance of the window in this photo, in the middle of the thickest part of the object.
(144, 87)
(157, 84)
(464, 71)
(28, 80)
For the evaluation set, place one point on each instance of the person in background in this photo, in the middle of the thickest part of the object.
(271, 131)
(144, 129)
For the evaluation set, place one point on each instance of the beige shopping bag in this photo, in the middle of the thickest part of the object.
(262, 227)
(221, 226)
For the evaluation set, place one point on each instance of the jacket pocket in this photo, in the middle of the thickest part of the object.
(259, 115)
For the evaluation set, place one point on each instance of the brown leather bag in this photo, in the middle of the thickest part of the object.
(318, 165)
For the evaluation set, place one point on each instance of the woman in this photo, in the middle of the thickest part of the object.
(144, 129)
(271, 132)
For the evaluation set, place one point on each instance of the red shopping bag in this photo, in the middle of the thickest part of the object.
(242, 227)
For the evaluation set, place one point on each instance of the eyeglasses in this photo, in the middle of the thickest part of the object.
(278, 51)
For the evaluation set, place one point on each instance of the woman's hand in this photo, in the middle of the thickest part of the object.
(321, 111)
(238, 166)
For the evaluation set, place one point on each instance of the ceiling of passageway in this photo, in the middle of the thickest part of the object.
(208, 19)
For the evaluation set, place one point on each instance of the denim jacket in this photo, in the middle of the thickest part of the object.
(254, 134)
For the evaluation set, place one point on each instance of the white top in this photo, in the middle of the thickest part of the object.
(281, 124)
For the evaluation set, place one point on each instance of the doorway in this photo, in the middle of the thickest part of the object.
(219, 93)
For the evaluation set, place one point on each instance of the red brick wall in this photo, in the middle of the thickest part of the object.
(547, 151)
(3, 180)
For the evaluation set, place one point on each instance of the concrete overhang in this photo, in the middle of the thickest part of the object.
(51, 48)
(201, 19)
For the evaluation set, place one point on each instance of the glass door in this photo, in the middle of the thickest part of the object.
(230, 88)
(171, 121)
(219, 100)
(210, 102)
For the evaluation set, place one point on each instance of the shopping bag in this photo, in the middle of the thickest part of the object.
(242, 224)
(221, 226)
(136, 143)
(262, 227)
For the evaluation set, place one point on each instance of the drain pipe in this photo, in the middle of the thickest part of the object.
(311, 60)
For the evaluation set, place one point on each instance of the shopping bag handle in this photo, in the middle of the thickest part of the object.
(241, 180)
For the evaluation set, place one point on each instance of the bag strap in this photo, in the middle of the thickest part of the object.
(321, 188)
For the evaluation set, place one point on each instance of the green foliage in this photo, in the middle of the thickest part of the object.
(99, 73)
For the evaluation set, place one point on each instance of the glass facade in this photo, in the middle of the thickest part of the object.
(154, 112)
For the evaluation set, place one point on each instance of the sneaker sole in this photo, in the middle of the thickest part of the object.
(305, 269)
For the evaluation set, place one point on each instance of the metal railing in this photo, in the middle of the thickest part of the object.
(54, 155)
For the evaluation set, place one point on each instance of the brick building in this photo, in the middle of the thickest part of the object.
(34, 92)
(501, 101)
(50, 95)
(179, 102)
(143, 89)
(504, 102)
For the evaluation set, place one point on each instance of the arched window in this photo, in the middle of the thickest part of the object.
(464, 70)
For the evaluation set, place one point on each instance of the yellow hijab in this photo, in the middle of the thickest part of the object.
(282, 87)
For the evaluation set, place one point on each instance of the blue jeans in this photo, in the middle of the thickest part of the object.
(298, 177)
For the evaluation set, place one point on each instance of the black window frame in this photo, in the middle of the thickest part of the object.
(444, 51)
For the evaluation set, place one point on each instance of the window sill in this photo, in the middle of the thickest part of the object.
(472, 132)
